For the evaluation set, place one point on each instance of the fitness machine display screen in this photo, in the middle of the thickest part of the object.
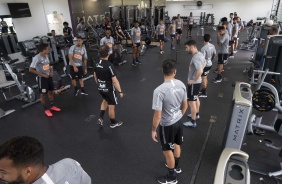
(19, 10)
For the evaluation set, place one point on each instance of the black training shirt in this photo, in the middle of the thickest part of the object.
(104, 72)
(67, 30)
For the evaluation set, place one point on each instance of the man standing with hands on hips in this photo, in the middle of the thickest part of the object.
(41, 66)
(169, 105)
(78, 68)
(196, 67)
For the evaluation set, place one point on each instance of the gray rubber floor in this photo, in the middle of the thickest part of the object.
(127, 154)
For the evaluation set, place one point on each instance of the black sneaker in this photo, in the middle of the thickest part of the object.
(134, 63)
(76, 91)
(138, 62)
(217, 80)
(231, 56)
(100, 121)
(215, 71)
(167, 179)
(118, 123)
(177, 169)
(83, 92)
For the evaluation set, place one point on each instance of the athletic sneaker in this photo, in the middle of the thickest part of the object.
(48, 113)
(83, 92)
(215, 71)
(134, 63)
(225, 62)
(177, 169)
(231, 56)
(235, 51)
(100, 121)
(217, 80)
(76, 91)
(167, 179)
(197, 117)
(202, 95)
(118, 123)
(54, 108)
(138, 62)
(190, 124)
(172, 47)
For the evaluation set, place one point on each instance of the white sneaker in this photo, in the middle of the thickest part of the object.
(190, 124)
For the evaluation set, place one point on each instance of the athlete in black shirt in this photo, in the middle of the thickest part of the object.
(67, 30)
(108, 85)
(119, 36)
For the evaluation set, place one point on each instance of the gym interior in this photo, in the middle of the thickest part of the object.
(238, 136)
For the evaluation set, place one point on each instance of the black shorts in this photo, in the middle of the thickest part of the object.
(137, 45)
(172, 36)
(222, 58)
(193, 91)
(178, 31)
(206, 71)
(110, 96)
(118, 40)
(231, 42)
(235, 39)
(78, 74)
(170, 135)
(190, 27)
(45, 85)
(160, 38)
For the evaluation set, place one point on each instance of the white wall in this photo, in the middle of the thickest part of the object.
(37, 24)
(246, 9)
(279, 14)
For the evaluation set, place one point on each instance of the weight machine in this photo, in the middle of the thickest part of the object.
(131, 15)
(26, 94)
(53, 54)
(5, 113)
(28, 50)
(159, 14)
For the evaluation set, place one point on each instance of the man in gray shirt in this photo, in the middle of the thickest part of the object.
(234, 36)
(222, 41)
(194, 81)
(22, 161)
(136, 43)
(190, 24)
(160, 35)
(41, 67)
(80, 29)
(169, 105)
(78, 65)
(209, 52)
(179, 28)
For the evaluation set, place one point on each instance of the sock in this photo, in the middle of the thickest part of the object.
(176, 161)
(102, 112)
(76, 88)
(113, 121)
(218, 76)
(51, 103)
(171, 172)
(204, 90)
(193, 121)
